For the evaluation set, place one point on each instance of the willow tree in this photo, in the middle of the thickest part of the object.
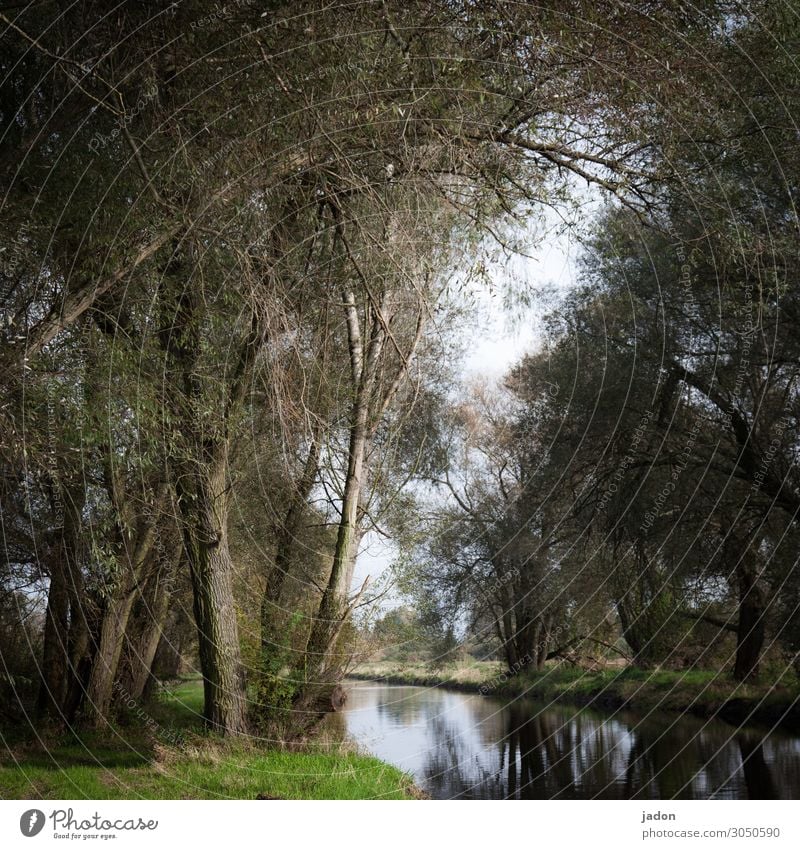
(235, 158)
(384, 315)
(485, 130)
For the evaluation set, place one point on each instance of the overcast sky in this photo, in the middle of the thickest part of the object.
(505, 338)
(499, 341)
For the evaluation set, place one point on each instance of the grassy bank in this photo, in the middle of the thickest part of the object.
(703, 693)
(162, 753)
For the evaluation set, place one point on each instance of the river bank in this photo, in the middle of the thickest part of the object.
(701, 693)
(162, 753)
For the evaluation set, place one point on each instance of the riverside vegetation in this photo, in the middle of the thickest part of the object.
(171, 757)
(700, 692)
(238, 276)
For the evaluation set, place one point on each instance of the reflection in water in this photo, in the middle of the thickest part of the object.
(474, 747)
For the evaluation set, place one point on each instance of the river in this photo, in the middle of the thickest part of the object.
(463, 746)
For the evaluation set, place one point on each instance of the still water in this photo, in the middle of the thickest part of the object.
(463, 746)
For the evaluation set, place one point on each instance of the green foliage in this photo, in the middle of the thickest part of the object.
(277, 680)
(198, 209)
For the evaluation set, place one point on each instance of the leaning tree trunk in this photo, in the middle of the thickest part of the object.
(631, 633)
(106, 659)
(134, 558)
(332, 608)
(205, 513)
(142, 652)
(287, 534)
(143, 639)
(371, 399)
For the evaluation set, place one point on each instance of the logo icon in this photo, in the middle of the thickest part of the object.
(31, 822)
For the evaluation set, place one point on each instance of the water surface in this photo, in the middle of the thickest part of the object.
(464, 746)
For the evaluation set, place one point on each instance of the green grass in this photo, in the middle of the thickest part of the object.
(181, 706)
(165, 755)
(232, 775)
(664, 689)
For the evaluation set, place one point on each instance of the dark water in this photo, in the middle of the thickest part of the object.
(464, 746)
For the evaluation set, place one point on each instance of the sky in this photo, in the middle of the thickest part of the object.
(504, 339)
(498, 341)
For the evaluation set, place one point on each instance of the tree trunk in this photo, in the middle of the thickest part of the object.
(53, 687)
(512, 635)
(284, 546)
(332, 605)
(205, 514)
(65, 615)
(75, 302)
(200, 478)
(218, 639)
(106, 659)
(135, 554)
(543, 642)
(523, 643)
(750, 630)
(371, 399)
(79, 606)
(141, 645)
(79, 655)
(143, 653)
